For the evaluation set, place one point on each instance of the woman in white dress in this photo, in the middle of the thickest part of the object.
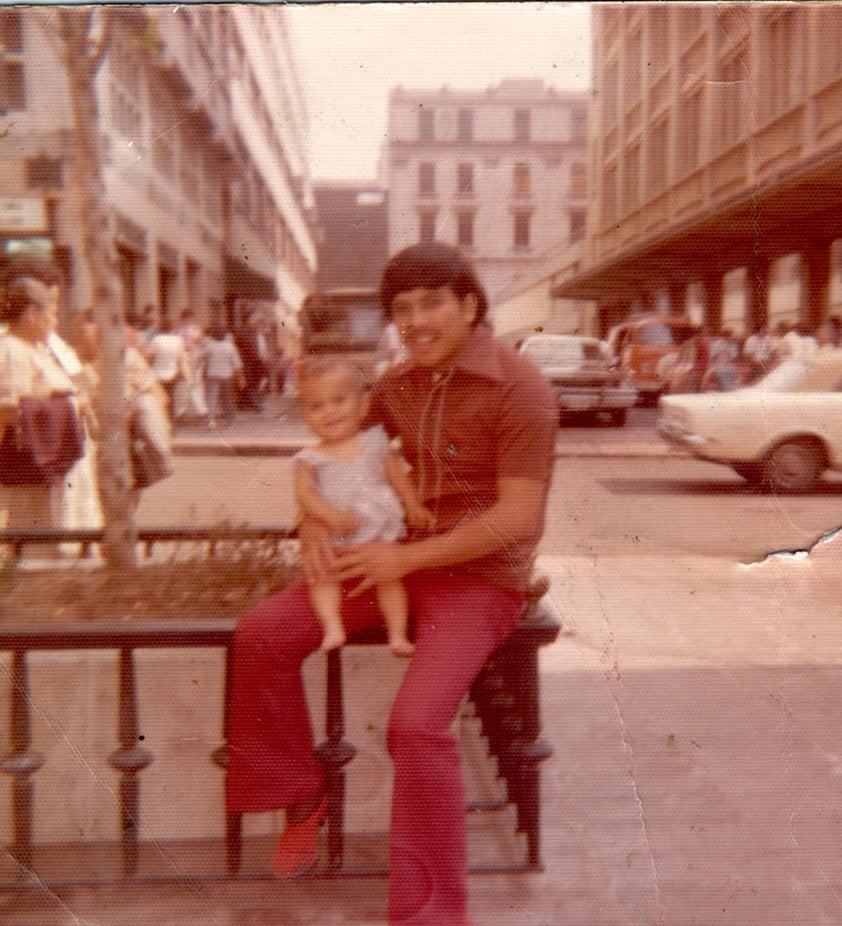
(29, 368)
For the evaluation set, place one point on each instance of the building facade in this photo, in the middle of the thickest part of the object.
(500, 173)
(204, 164)
(715, 152)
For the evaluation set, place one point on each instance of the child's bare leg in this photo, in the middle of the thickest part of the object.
(391, 596)
(326, 598)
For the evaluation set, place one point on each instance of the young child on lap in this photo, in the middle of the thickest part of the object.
(354, 483)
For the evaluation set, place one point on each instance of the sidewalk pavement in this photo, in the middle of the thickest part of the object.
(692, 706)
(278, 430)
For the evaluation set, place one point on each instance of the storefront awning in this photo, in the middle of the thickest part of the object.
(242, 280)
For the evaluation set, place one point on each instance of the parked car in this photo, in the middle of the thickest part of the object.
(582, 376)
(639, 344)
(706, 363)
(780, 433)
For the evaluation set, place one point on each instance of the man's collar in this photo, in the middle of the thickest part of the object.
(479, 355)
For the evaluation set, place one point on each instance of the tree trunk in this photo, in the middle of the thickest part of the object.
(82, 59)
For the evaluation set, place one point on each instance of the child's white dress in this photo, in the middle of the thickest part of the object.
(361, 487)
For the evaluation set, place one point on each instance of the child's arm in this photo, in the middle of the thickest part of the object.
(314, 506)
(396, 472)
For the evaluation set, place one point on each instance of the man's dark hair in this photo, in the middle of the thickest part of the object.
(430, 266)
(16, 292)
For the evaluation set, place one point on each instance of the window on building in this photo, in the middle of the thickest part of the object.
(426, 178)
(659, 38)
(578, 180)
(579, 124)
(690, 136)
(631, 179)
(577, 224)
(426, 129)
(124, 96)
(732, 98)
(427, 227)
(522, 229)
(465, 229)
(522, 125)
(609, 196)
(634, 68)
(657, 165)
(829, 34)
(465, 125)
(190, 166)
(163, 135)
(783, 60)
(465, 179)
(12, 95)
(521, 180)
(610, 96)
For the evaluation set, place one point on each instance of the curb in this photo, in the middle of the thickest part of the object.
(188, 448)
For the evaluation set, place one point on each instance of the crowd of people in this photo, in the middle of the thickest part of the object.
(48, 387)
(210, 373)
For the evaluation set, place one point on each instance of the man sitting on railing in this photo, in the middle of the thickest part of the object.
(477, 423)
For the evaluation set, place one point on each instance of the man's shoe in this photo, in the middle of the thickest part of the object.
(298, 848)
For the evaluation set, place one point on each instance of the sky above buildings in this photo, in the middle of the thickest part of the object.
(349, 55)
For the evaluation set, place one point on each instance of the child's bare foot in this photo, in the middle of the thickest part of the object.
(400, 646)
(333, 639)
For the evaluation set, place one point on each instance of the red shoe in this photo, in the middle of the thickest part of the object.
(298, 848)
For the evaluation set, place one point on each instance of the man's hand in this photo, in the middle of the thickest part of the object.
(372, 563)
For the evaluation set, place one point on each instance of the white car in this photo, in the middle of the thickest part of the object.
(584, 379)
(782, 432)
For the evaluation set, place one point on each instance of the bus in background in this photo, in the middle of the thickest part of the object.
(343, 321)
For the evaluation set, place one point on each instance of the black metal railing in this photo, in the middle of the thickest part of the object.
(505, 698)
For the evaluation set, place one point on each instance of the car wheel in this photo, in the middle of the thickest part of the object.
(794, 465)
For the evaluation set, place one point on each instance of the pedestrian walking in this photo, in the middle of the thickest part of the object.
(223, 374)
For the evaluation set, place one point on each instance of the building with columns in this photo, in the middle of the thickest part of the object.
(715, 158)
(205, 172)
(499, 173)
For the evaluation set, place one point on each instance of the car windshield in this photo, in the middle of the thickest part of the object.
(557, 353)
(663, 335)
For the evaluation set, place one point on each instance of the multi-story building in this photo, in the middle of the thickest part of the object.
(501, 173)
(715, 151)
(204, 165)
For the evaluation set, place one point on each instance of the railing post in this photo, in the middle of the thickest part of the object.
(233, 821)
(129, 760)
(335, 754)
(527, 750)
(22, 761)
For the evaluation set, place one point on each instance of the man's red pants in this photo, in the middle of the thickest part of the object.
(459, 621)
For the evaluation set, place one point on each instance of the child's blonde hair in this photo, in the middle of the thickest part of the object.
(313, 368)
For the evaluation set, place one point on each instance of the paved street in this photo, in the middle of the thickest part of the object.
(692, 705)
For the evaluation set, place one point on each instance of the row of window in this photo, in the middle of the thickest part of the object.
(521, 228)
(765, 72)
(465, 119)
(465, 224)
(521, 179)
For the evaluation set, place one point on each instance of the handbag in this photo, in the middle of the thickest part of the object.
(42, 444)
